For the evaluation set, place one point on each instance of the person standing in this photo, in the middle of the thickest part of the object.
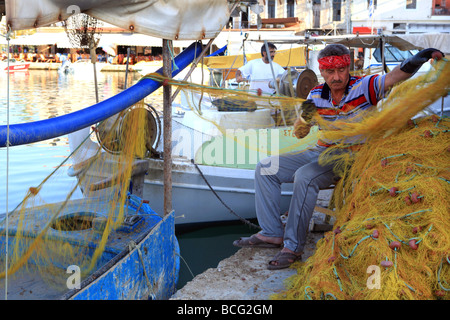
(342, 96)
(259, 71)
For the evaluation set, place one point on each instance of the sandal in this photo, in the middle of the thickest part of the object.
(283, 260)
(254, 242)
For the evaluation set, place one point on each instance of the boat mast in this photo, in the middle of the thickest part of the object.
(167, 123)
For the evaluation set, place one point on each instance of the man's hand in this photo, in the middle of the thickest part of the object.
(411, 65)
(301, 128)
(239, 77)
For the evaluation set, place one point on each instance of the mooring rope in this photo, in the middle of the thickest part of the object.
(247, 222)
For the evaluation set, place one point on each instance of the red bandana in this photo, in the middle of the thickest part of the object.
(332, 62)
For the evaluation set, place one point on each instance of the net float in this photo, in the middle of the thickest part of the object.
(375, 234)
(394, 245)
(412, 244)
(408, 200)
(331, 259)
(416, 229)
(437, 55)
(439, 293)
(337, 230)
(393, 191)
(386, 263)
(434, 118)
(415, 197)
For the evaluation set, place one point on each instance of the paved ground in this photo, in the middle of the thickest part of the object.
(244, 276)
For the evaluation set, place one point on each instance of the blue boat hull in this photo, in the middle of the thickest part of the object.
(141, 259)
(149, 271)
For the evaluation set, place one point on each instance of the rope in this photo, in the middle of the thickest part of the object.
(132, 245)
(220, 199)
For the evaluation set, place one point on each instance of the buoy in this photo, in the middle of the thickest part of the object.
(393, 191)
(395, 245)
(412, 244)
(386, 263)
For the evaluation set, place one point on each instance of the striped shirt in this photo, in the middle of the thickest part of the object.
(361, 94)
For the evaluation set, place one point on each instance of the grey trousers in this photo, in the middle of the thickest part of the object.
(307, 176)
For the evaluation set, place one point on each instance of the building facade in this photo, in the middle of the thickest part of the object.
(349, 16)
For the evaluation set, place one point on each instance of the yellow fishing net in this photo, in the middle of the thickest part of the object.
(42, 239)
(391, 237)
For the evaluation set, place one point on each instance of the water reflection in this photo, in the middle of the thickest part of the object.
(42, 94)
(38, 95)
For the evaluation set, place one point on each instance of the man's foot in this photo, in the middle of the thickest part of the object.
(283, 259)
(257, 242)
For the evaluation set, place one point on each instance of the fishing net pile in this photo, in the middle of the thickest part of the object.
(42, 239)
(391, 237)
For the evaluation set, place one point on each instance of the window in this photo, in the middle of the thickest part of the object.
(410, 4)
(271, 9)
(393, 54)
(336, 10)
(290, 8)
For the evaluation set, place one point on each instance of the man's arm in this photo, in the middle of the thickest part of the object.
(395, 76)
(410, 66)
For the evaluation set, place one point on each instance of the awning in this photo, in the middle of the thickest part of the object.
(164, 19)
(286, 58)
(108, 39)
(439, 41)
(136, 39)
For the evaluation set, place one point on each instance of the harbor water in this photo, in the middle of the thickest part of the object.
(42, 94)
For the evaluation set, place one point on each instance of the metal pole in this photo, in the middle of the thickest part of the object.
(93, 61)
(167, 122)
(126, 70)
(194, 65)
(277, 88)
(271, 67)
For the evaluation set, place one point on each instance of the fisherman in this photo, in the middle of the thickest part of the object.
(341, 96)
(259, 70)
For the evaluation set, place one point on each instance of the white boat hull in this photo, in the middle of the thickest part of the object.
(193, 200)
(15, 67)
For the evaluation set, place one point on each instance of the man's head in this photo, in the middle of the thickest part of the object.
(334, 65)
(272, 51)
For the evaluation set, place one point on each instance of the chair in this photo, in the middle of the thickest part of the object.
(41, 58)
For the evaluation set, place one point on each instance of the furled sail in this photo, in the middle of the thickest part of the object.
(167, 19)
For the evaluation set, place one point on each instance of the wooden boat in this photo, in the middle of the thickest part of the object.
(140, 260)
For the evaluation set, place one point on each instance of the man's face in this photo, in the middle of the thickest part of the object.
(272, 55)
(337, 78)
